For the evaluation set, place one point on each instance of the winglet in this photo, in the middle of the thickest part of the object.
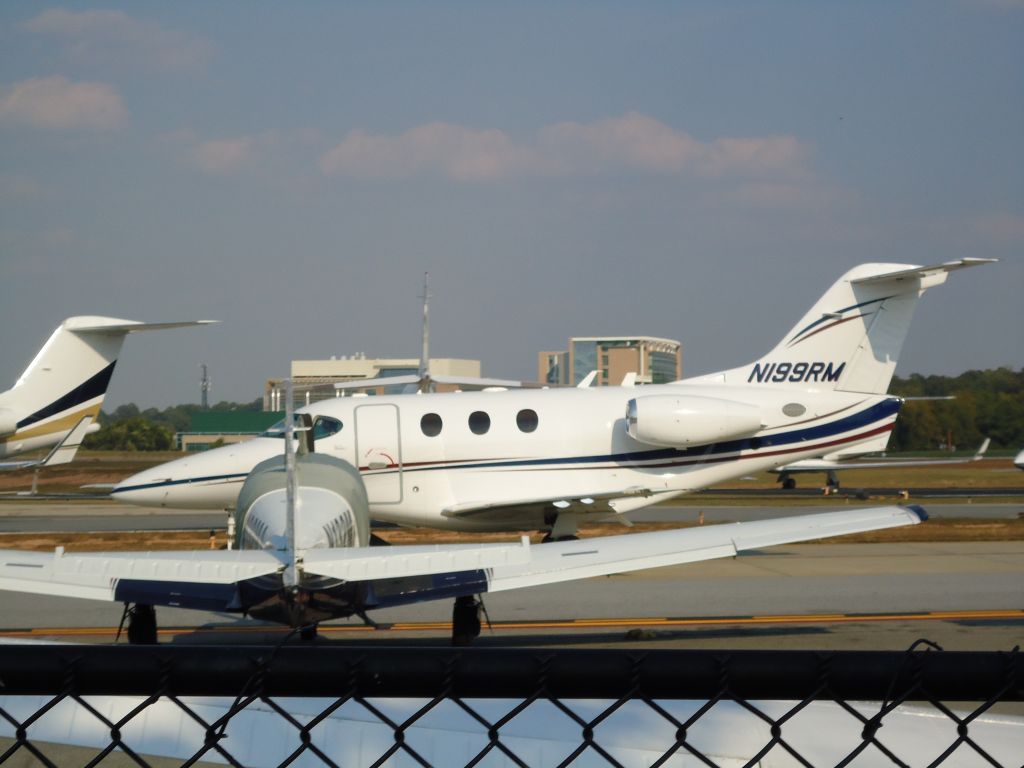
(918, 510)
(981, 451)
(64, 452)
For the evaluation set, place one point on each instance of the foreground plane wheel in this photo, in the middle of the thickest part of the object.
(465, 620)
(308, 632)
(142, 625)
(789, 484)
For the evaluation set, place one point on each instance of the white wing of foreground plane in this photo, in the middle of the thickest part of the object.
(508, 566)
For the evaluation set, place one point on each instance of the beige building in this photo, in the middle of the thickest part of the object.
(314, 380)
(653, 360)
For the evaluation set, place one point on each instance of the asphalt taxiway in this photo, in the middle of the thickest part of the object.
(964, 596)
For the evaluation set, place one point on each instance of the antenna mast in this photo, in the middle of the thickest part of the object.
(204, 388)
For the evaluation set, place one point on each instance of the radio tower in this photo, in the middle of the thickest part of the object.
(204, 387)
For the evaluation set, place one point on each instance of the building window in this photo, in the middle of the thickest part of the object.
(431, 424)
(479, 422)
(526, 419)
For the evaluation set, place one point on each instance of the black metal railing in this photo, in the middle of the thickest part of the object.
(328, 705)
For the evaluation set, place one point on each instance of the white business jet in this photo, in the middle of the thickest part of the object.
(546, 459)
(303, 555)
(56, 401)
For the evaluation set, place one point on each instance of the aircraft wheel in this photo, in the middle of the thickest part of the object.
(465, 620)
(308, 632)
(142, 625)
(789, 484)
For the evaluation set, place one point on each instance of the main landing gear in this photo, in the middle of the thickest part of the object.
(465, 620)
(141, 620)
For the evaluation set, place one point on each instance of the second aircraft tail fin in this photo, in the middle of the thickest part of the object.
(850, 340)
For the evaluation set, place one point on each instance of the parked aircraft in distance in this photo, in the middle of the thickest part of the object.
(303, 555)
(545, 459)
(834, 462)
(66, 382)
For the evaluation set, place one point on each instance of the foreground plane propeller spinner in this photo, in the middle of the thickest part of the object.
(546, 459)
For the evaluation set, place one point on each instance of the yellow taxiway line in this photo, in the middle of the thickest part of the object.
(638, 623)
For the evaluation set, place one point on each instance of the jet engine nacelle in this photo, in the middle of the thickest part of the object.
(8, 421)
(684, 420)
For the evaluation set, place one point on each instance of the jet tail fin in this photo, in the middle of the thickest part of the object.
(68, 377)
(851, 338)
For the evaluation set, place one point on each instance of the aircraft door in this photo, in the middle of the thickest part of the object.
(379, 452)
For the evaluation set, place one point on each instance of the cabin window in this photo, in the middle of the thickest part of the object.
(431, 424)
(479, 422)
(526, 419)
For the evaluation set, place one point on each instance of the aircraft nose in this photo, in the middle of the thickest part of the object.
(210, 480)
(147, 488)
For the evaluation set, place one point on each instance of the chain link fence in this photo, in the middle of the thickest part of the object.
(325, 705)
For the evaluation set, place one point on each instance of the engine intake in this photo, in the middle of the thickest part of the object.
(685, 420)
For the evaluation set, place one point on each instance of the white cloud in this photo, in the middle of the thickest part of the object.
(115, 37)
(224, 155)
(632, 143)
(56, 102)
(1000, 228)
(459, 153)
(766, 156)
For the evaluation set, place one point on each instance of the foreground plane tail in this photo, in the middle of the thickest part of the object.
(66, 381)
(851, 338)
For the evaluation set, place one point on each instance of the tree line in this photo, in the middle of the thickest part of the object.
(985, 404)
(127, 428)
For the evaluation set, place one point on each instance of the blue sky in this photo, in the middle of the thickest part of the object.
(699, 171)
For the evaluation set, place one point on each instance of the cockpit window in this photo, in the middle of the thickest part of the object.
(322, 427)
